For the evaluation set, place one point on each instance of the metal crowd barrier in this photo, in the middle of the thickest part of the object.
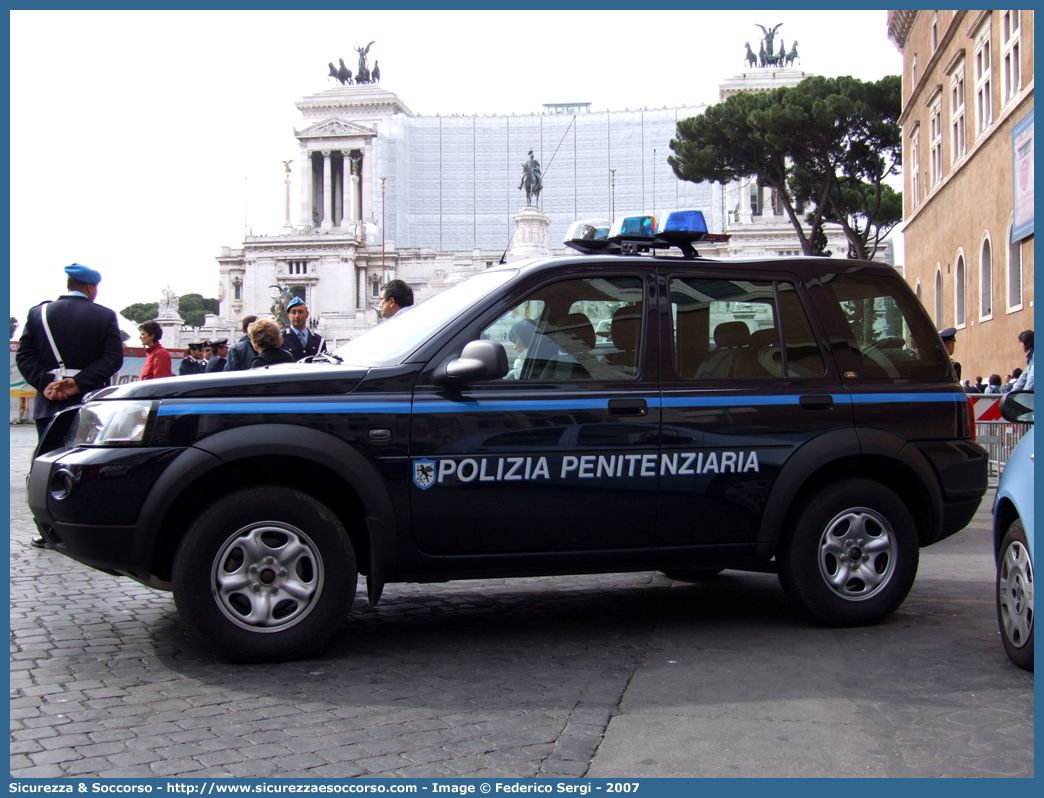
(999, 438)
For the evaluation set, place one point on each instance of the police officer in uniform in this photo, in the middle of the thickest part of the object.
(949, 337)
(219, 357)
(89, 349)
(298, 340)
(194, 363)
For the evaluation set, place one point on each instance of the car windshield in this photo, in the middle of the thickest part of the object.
(391, 341)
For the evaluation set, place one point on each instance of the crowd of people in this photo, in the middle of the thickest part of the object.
(264, 342)
(1020, 379)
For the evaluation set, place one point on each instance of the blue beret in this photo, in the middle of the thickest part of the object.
(293, 303)
(83, 274)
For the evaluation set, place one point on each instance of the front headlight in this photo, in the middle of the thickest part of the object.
(110, 424)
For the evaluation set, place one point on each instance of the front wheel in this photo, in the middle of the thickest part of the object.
(1015, 596)
(850, 556)
(268, 574)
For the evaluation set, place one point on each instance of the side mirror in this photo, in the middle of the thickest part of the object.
(480, 360)
(1017, 406)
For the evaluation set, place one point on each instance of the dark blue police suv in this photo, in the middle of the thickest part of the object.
(798, 416)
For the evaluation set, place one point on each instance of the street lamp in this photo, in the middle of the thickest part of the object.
(612, 180)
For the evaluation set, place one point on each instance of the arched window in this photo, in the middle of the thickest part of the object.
(938, 299)
(1014, 273)
(960, 316)
(986, 279)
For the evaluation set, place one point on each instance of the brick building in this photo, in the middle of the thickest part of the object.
(967, 124)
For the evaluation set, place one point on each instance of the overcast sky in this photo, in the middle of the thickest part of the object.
(143, 142)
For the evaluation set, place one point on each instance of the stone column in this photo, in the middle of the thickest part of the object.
(745, 211)
(366, 176)
(306, 188)
(327, 192)
(360, 300)
(346, 186)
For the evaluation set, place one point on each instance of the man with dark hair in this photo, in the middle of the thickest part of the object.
(396, 295)
(298, 340)
(241, 353)
(194, 363)
(218, 358)
(1025, 380)
(69, 347)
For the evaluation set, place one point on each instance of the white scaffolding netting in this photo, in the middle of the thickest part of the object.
(453, 180)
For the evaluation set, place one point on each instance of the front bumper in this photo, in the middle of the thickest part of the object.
(104, 506)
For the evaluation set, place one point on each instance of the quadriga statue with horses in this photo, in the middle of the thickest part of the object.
(344, 75)
(767, 55)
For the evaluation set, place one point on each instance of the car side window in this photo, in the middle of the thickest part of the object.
(740, 330)
(887, 333)
(580, 329)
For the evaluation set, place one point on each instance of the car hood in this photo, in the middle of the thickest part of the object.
(290, 379)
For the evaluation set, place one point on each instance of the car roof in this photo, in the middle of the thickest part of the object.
(803, 265)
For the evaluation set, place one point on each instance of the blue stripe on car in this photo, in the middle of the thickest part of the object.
(299, 407)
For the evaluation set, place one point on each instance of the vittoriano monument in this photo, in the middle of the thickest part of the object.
(532, 182)
(767, 56)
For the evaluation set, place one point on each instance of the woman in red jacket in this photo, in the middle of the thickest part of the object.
(157, 359)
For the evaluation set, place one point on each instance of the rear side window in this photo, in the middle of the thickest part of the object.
(740, 330)
(887, 331)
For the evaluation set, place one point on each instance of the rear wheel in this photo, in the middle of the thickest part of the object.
(1015, 596)
(268, 574)
(850, 556)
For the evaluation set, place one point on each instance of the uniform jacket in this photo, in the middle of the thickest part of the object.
(239, 355)
(191, 366)
(87, 338)
(215, 364)
(292, 344)
(157, 363)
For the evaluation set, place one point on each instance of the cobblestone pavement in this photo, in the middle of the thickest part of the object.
(605, 675)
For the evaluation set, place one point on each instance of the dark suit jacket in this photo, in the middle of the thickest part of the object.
(190, 366)
(215, 364)
(292, 344)
(87, 338)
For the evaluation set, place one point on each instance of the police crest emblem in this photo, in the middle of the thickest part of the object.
(424, 473)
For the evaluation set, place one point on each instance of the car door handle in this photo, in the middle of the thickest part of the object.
(628, 407)
(817, 402)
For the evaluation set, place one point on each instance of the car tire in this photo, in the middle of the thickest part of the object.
(850, 556)
(1015, 596)
(267, 573)
(692, 574)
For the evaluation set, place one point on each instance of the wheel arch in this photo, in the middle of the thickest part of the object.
(313, 461)
(1004, 514)
(845, 454)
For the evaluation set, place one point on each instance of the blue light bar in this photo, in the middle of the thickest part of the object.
(690, 221)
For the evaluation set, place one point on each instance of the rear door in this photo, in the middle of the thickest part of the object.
(745, 382)
(561, 455)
